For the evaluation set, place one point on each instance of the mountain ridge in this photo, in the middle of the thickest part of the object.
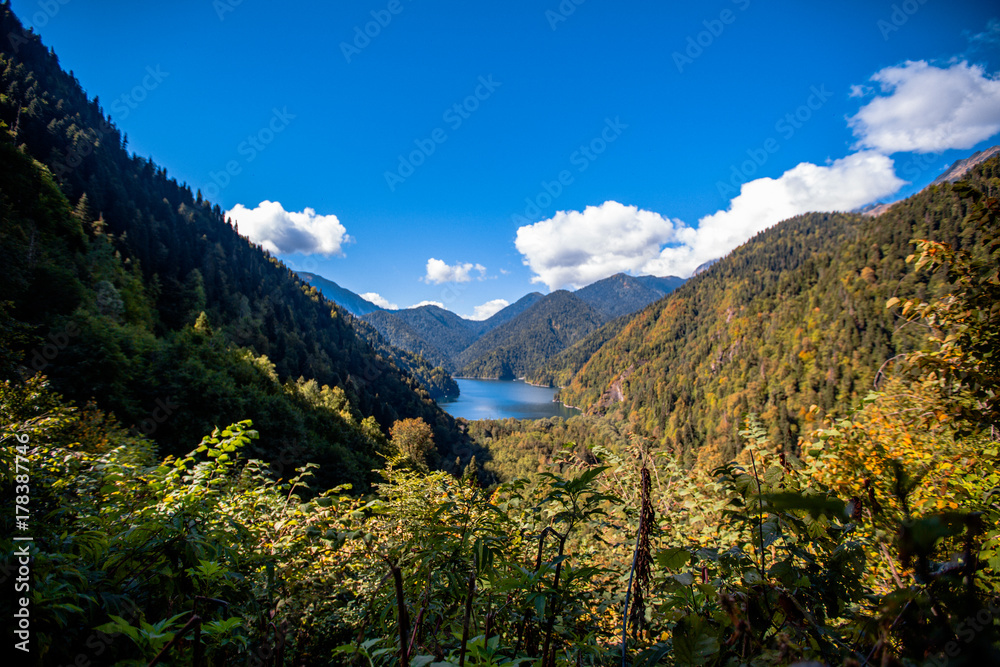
(443, 338)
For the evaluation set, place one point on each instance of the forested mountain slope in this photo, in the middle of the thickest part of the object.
(559, 370)
(403, 336)
(622, 294)
(114, 262)
(793, 318)
(508, 313)
(343, 297)
(513, 349)
(442, 328)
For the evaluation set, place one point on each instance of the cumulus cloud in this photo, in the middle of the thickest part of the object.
(440, 272)
(281, 232)
(488, 310)
(575, 248)
(578, 248)
(843, 185)
(928, 109)
(379, 300)
(428, 303)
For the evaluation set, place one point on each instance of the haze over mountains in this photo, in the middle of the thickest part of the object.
(513, 342)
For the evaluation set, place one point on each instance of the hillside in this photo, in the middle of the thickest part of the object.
(442, 328)
(345, 298)
(508, 313)
(451, 342)
(401, 335)
(559, 370)
(793, 318)
(155, 300)
(513, 349)
(622, 294)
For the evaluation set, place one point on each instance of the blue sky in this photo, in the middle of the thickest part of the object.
(466, 153)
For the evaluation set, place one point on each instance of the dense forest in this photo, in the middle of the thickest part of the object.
(792, 319)
(132, 292)
(622, 294)
(792, 459)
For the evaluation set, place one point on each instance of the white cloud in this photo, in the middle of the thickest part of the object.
(379, 300)
(843, 185)
(578, 248)
(281, 232)
(860, 91)
(428, 303)
(928, 109)
(488, 310)
(575, 248)
(439, 272)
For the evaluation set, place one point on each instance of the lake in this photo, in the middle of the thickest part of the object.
(500, 399)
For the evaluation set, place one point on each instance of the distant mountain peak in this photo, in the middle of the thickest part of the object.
(961, 167)
(353, 303)
(704, 266)
(955, 172)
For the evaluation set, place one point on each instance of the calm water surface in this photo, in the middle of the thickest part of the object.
(500, 399)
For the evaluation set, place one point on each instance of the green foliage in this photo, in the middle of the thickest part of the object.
(965, 324)
(410, 353)
(877, 539)
(413, 442)
(159, 312)
(793, 318)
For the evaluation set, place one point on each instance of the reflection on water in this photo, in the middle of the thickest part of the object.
(500, 399)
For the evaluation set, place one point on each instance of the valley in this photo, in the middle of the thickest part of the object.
(788, 456)
(514, 342)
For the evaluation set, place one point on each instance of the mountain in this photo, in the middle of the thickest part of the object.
(704, 266)
(508, 313)
(961, 167)
(132, 293)
(447, 331)
(621, 294)
(345, 298)
(665, 284)
(447, 340)
(401, 335)
(793, 318)
(955, 172)
(559, 370)
(513, 349)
